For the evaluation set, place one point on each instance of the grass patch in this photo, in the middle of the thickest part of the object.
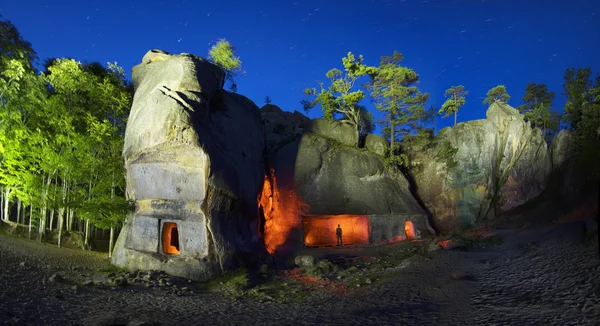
(322, 269)
(278, 290)
(114, 269)
(479, 242)
(233, 282)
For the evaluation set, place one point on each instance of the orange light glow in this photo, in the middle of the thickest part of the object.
(445, 244)
(282, 211)
(170, 238)
(321, 230)
(409, 228)
(395, 239)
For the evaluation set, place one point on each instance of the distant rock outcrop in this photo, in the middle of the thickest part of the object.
(194, 161)
(482, 167)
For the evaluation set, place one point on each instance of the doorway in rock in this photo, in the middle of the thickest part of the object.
(320, 230)
(170, 238)
(409, 228)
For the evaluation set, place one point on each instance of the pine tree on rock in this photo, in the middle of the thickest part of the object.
(395, 93)
(455, 101)
(339, 99)
(497, 94)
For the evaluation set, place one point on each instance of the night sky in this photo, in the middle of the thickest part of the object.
(287, 45)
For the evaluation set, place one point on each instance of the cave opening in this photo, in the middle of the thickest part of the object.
(170, 238)
(320, 230)
(409, 229)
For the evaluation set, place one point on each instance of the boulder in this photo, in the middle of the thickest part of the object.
(319, 182)
(280, 127)
(561, 148)
(337, 130)
(481, 168)
(193, 156)
(376, 144)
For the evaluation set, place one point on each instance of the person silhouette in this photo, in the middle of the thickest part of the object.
(338, 233)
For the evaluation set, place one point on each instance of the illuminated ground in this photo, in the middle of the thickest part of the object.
(542, 274)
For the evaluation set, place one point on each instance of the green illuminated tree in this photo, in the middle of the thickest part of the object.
(577, 87)
(455, 101)
(223, 54)
(497, 94)
(340, 99)
(395, 93)
(536, 94)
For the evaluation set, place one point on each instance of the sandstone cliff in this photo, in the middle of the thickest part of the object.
(316, 171)
(194, 161)
(481, 168)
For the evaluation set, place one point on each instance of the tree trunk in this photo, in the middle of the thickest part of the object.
(110, 243)
(59, 227)
(42, 227)
(70, 220)
(455, 113)
(61, 209)
(30, 219)
(7, 193)
(598, 218)
(51, 220)
(18, 210)
(392, 135)
(86, 234)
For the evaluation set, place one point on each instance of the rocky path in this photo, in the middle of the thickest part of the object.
(545, 275)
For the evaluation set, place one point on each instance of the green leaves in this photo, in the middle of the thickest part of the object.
(496, 94)
(223, 54)
(341, 98)
(394, 92)
(536, 94)
(456, 100)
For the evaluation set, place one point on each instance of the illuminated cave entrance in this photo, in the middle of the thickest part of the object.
(320, 230)
(170, 237)
(409, 229)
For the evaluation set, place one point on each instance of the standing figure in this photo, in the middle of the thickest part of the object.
(338, 232)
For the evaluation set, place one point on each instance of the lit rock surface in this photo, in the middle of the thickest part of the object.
(193, 156)
(483, 167)
(319, 179)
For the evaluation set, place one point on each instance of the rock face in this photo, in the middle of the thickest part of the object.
(319, 180)
(483, 167)
(194, 160)
(280, 126)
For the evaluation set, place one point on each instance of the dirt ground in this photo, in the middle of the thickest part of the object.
(538, 274)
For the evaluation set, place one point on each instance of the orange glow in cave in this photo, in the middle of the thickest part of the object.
(320, 230)
(409, 228)
(282, 212)
(170, 238)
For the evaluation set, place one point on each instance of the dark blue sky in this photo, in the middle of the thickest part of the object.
(286, 45)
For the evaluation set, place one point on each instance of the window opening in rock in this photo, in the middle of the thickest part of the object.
(320, 230)
(170, 238)
(409, 228)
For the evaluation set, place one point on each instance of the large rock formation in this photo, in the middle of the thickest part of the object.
(319, 180)
(194, 160)
(483, 167)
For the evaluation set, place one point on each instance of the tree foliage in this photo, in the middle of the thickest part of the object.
(497, 94)
(61, 136)
(577, 87)
(223, 54)
(394, 91)
(587, 118)
(537, 109)
(456, 100)
(340, 100)
(536, 94)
